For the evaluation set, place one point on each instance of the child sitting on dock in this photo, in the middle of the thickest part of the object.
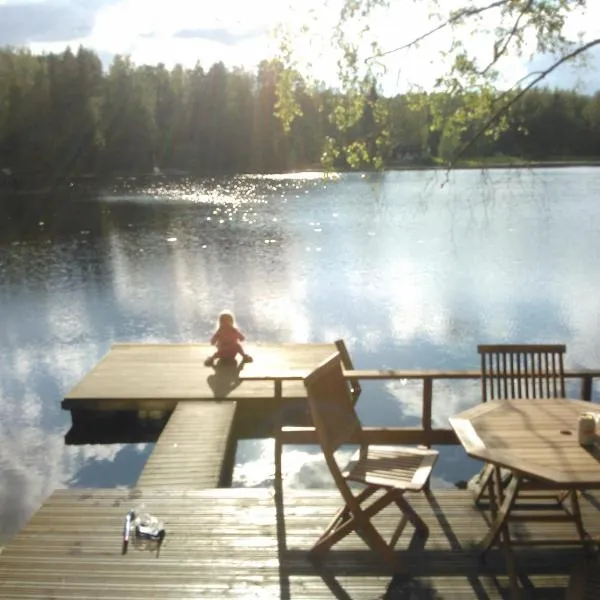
(227, 339)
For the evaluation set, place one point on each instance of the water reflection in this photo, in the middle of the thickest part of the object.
(410, 274)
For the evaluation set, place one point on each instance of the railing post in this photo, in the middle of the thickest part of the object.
(586, 387)
(278, 425)
(426, 414)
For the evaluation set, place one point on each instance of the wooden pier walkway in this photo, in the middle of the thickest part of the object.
(243, 544)
(194, 450)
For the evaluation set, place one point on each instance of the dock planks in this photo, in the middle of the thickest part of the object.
(157, 376)
(234, 543)
(192, 449)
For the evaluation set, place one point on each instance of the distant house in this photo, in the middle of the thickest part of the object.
(406, 152)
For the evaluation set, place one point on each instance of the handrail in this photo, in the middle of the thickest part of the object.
(438, 374)
(426, 435)
(430, 436)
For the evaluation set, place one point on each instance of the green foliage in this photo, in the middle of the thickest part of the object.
(467, 93)
(61, 115)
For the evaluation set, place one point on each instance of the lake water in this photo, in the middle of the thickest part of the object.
(412, 274)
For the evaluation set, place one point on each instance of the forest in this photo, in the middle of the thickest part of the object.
(64, 115)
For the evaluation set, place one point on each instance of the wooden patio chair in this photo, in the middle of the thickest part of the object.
(392, 470)
(518, 371)
(355, 390)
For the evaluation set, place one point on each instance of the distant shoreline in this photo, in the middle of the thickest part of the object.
(538, 164)
(14, 187)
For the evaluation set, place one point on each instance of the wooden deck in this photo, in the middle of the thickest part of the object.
(241, 543)
(157, 376)
(194, 450)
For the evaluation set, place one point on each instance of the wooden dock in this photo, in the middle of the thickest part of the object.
(247, 543)
(242, 543)
(158, 376)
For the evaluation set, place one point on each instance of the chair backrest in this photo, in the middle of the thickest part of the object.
(348, 365)
(522, 371)
(331, 406)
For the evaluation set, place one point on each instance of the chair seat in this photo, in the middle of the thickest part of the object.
(397, 467)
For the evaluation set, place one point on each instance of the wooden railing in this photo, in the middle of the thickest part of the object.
(425, 435)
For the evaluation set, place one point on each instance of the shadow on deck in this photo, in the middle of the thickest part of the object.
(243, 543)
(444, 563)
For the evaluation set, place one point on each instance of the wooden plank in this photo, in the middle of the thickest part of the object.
(377, 435)
(242, 543)
(154, 376)
(190, 453)
(375, 374)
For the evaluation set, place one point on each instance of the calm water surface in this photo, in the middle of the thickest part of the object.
(409, 273)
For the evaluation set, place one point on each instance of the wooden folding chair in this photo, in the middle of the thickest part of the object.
(518, 371)
(393, 470)
(279, 434)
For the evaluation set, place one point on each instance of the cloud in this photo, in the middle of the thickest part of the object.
(48, 21)
(220, 35)
(572, 74)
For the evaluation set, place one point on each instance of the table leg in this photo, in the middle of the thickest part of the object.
(494, 504)
(511, 568)
(499, 487)
(501, 503)
(577, 517)
(499, 524)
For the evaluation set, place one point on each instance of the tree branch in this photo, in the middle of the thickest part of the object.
(501, 111)
(465, 12)
(507, 40)
(515, 85)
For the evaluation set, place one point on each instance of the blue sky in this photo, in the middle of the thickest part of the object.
(241, 33)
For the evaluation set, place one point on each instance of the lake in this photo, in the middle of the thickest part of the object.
(413, 269)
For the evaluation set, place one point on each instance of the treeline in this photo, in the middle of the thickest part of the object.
(62, 115)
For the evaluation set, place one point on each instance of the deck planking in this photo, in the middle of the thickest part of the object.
(192, 450)
(157, 376)
(243, 543)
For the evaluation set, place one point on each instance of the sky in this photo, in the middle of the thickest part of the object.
(242, 32)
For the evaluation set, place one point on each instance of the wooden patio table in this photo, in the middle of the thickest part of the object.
(536, 439)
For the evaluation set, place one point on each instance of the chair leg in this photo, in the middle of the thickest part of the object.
(345, 520)
(409, 512)
(378, 544)
(348, 520)
(344, 513)
(396, 535)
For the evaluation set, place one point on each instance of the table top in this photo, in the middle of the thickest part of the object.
(536, 437)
